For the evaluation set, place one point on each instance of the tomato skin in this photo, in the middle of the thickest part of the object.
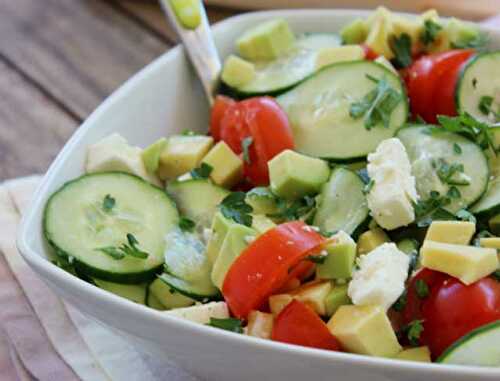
(263, 120)
(431, 82)
(370, 54)
(298, 324)
(455, 309)
(219, 108)
(263, 267)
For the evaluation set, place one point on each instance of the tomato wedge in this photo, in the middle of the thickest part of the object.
(370, 54)
(219, 108)
(264, 265)
(263, 121)
(298, 324)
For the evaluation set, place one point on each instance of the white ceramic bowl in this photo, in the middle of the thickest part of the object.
(162, 99)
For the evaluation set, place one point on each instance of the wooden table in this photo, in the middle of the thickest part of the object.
(59, 59)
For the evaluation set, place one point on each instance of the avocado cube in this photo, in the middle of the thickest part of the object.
(370, 240)
(293, 175)
(262, 200)
(220, 227)
(278, 302)
(182, 154)
(365, 330)
(314, 295)
(420, 354)
(336, 298)
(379, 34)
(262, 224)
(236, 240)
(354, 33)
(455, 232)
(339, 262)
(494, 224)
(151, 155)
(227, 167)
(461, 33)
(328, 56)
(266, 41)
(237, 71)
(467, 263)
(188, 12)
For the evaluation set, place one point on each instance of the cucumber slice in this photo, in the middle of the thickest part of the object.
(425, 148)
(167, 297)
(489, 204)
(202, 292)
(342, 203)
(480, 77)
(76, 224)
(276, 76)
(318, 110)
(479, 348)
(134, 292)
(197, 199)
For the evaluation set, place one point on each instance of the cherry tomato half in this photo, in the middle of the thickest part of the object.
(219, 108)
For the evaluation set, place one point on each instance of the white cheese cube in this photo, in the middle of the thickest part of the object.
(380, 279)
(202, 313)
(390, 199)
(113, 153)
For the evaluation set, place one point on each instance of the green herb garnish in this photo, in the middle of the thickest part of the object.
(245, 145)
(478, 41)
(430, 32)
(453, 192)
(186, 224)
(414, 331)
(202, 172)
(401, 47)
(264, 192)
(108, 203)
(377, 106)
(368, 187)
(130, 249)
(432, 209)
(400, 304)
(229, 324)
(235, 208)
(294, 210)
(188, 133)
(457, 149)
(451, 174)
(496, 275)
(422, 289)
(486, 107)
(318, 259)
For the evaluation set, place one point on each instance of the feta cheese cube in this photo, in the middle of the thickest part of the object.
(390, 199)
(113, 153)
(380, 279)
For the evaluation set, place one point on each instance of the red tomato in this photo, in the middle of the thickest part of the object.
(452, 309)
(266, 123)
(263, 267)
(298, 324)
(219, 108)
(370, 54)
(425, 79)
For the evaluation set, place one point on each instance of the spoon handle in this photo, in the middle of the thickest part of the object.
(191, 24)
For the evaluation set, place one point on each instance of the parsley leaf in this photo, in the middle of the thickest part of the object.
(457, 149)
(188, 133)
(294, 210)
(430, 32)
(451, 174)
(108, 203)
(130, 248)
(186, 224)
(202, 172)
(377, 106)
(422, 289)
(229, 324)
(486, 107)
(235, 208)
(478, 41)
(432, 209)
(453, 192)
(401, 47)
(368, 187)
(496, 275)
(318, 259)
(415, 329)
(465, 215)
(245, 145)
(400, 304)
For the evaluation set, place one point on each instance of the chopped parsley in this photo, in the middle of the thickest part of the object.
(400, 304)
(318, 259)
(120, 252)
(451, 174)
(422, 289)
(188, 133)
(486, 107)
(108, 203)
(235, 208)
(186, 224)
(377, 106)
(453, 192)
(294, 210)
(229, 324)
(202, 172)
(245, 145)
(369, 186)
(465, 215)
(414, 331)
(432, 209)
(457, 149)
(430, 32)
(496, 275)
(401, 47)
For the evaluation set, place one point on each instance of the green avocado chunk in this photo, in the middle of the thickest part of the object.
(266, 41)
(220, 227)
(262, 200)
(354, 33)
(340, 259)
(336, 298)
(151, 155)
(237, 239)
(293, 175)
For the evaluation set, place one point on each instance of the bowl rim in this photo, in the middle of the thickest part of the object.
(150, 316)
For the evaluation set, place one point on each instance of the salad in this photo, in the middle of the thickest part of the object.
(346, 197)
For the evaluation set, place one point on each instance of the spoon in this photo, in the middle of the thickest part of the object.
(190, 21)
